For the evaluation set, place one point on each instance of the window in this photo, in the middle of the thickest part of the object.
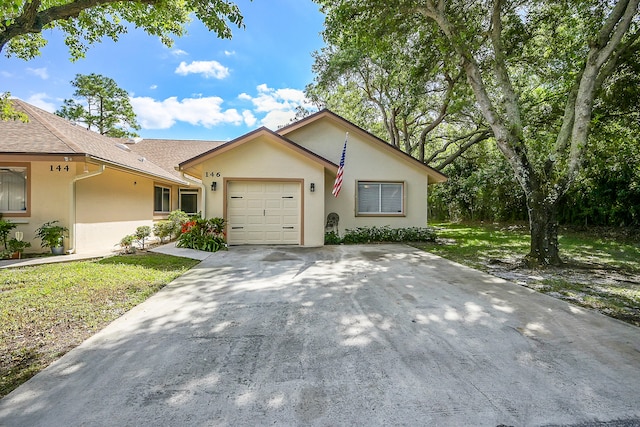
(380, 198)
(14, 188)
(189, 201)
(162, 199)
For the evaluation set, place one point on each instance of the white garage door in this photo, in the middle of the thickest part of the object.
(263, 212)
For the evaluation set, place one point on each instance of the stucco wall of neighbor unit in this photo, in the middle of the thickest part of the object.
(49, 200)
(110, 206)
(365, 161)
(264, 159)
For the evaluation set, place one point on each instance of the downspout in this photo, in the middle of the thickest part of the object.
(85, 175)
(204, 192)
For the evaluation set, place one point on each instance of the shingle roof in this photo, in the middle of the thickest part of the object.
(46, 133)
(169, 153)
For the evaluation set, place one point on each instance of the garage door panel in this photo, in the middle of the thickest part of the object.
(273, 204)
(263, 212)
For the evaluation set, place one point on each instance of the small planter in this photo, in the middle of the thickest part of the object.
(52, 236)
(17, 246)
(57, 250)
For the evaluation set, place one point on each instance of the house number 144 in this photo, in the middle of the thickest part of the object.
(59, 168)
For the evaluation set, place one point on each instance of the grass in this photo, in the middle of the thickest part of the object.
(47, 310)
(602, 268)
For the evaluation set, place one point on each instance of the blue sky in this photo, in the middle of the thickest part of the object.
(200, 88)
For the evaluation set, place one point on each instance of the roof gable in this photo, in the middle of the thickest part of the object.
(252, 136)
(434, 175)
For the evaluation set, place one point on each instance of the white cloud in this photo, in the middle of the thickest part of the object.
(274, 119)
(153, 87)
(209, 69)
(178, 52)
(40, 72)
(249, 118)
(207, 112)
(278, 104)
(6, 74)
(229, 52)
(40, 101)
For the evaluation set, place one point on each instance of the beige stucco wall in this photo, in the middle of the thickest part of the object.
(263, 158)
(49, 200)
(365, 161)
(110, 206)
(107, 206)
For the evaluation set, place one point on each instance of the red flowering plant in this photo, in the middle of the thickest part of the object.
(203, 234)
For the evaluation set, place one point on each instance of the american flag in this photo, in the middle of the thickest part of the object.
(337, 186)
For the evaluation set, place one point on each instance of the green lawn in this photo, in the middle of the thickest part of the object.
(602, 268)
(47, 310)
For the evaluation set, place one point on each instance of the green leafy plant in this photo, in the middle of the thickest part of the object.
(332, 238)
(163, 230)
(387, 234)
(141, 234)
(126, 244)
(51, 234)
(5, 228)
(170, 227)
(18, 246)
(203, 234)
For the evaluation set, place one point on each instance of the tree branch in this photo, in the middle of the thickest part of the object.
(481, 136)
(32, 21)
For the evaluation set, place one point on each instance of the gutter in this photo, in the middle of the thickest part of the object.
(72, 209)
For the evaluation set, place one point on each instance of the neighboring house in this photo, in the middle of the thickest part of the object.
(100, 188)
(271, 187)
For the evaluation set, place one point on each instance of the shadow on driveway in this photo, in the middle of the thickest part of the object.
(341, 335)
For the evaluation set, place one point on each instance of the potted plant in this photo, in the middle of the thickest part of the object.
(52, 236)
(17, 247)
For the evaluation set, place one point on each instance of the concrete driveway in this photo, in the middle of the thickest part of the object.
(342, 335)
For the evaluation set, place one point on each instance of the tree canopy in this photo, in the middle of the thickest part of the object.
(536, 70)
(101, 105)
(86, 22)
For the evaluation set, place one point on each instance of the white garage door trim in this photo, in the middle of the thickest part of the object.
(247, 215)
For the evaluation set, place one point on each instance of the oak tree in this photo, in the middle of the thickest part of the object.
(86, 22)
(536, 68)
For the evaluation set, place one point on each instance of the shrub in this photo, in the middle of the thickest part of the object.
(388, 234)
(141, 234)
(5, 228)
(177, 218)
(203, 234)
(126, 243)
(163, 229)
(332, 238)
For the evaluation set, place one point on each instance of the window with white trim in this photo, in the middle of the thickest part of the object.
(161, 199)
(13, 189)
(380, 198)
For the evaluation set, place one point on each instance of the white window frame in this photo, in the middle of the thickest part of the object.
(168, 208)
(380, 185)
(26, 196)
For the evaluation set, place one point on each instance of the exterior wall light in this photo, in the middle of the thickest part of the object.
(214, 185)
(312, 187)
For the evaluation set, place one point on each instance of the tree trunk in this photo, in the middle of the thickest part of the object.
(543, 224)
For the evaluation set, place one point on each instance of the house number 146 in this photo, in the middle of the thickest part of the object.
(59, 168)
